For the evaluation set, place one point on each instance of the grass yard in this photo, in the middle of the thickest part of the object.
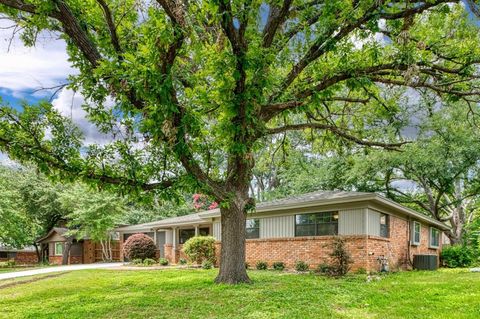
(191, 294)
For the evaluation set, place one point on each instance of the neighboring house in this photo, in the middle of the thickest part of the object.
(82, 251)
(303, 228)
(25, 256)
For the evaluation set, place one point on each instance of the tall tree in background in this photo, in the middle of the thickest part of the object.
(198, 86)
(437, 174)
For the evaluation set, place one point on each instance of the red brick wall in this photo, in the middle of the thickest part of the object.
(397, 249)
(365, 250)
(26, 258)
(23, 258)
(57, 260)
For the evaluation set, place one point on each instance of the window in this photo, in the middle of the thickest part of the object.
(318, 224)
(434, 237)
(58, 249)
(186, 234)
(253, 228)
(384, 225)
(416, 229)
(8, 254)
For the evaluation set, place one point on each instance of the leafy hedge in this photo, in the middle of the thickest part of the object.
(139, 246)
(200, 248)
(457, 256)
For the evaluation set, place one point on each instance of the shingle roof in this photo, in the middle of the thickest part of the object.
(319, 197)
(59, 230)
(313, 196)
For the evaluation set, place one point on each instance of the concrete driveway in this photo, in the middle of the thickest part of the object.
(47, 270)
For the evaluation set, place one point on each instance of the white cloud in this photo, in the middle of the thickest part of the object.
(69, 104)
(28, 68)
(6, 161)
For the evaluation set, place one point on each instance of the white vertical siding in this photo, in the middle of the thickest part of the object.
(277, 226)
(351, 222)
(168, 237)
(373, 226)
(217, 230)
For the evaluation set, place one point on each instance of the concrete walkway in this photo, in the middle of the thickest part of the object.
(47, 270)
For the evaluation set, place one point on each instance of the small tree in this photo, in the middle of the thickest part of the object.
(92, 215)
(341, 258)
(200, 248)
(139, 246)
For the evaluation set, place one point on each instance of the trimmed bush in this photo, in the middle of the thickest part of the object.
(261, 265)
(163, 261)
(323, 268)
(137, 261)
(149, 262)
(278, 265)
(182, 261)
(301, 266)
(207, 264)
(457, 256)
(139, 246)
(200, 248)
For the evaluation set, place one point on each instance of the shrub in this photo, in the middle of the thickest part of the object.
(341, 258)
(137, 261)
(182, 261)
(261, 265)
(278, 265)
(139, 246)
(324, 268)
(361, 271)
(200, 248)
(457, 256)
(207, 264)
(163, 261)
(149, 262)
(301, 266)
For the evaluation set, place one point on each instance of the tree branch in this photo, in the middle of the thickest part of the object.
(337, 131)
(111, 26)
(276, 18)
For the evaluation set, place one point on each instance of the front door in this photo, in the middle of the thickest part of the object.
(161, 243)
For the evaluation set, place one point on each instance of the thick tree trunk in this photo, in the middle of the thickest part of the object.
(232, 261)
(39, 255)
(66, 251)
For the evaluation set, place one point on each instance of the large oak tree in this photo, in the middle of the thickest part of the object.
(198, 85)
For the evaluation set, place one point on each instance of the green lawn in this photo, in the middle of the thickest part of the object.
(191, 294)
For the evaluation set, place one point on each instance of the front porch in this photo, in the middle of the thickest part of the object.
(170, 240)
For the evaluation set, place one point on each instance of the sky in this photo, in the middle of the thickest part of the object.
(25, 72)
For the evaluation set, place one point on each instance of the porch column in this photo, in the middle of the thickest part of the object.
(196, 230)
(174, 246)
(155, 236)
(174, 238)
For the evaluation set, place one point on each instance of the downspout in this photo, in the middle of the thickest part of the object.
(409, 238)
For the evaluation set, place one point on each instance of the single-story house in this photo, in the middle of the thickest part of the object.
(24, 256)
(82, 251)
(303, 228)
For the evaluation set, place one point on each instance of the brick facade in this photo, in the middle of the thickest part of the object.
(364, 249)
(72, 260)
(23, 258)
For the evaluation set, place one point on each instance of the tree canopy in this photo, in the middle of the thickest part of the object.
(199, 87)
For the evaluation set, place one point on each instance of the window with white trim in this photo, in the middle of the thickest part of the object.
(416, 233)
(253, 228)
(58, 249)
(434, 237)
